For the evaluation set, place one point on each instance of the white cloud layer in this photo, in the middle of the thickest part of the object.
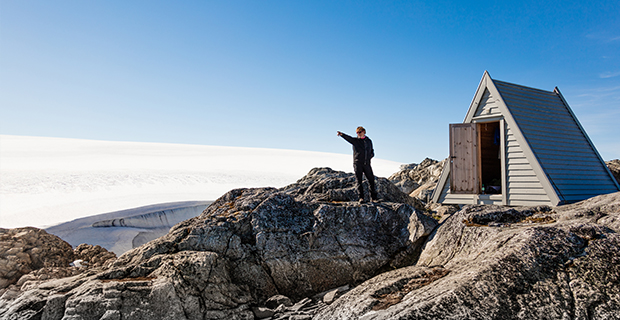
(46, 181)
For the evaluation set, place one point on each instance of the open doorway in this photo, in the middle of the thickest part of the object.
(490, 169)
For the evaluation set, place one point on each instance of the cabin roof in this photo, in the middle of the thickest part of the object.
(558, 141)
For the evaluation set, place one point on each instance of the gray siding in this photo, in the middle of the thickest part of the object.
(560, 146)
(488, 105)
(522, 184)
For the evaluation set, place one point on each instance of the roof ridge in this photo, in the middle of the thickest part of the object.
(522, 86)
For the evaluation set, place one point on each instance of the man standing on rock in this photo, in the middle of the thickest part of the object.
(362, 153)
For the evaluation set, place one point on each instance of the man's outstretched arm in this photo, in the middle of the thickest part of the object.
(346, 137)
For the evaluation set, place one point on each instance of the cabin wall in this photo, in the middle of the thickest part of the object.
(523, 186)
(489, 106)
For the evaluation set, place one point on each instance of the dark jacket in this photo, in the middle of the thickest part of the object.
(362, 149)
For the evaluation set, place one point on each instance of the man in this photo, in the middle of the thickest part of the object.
(362, 153)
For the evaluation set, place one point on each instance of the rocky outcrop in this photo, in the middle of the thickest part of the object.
(31, 256)
(324, 184)
(92, 256)
(23, 250)
(420, 180)
(312, 242)
(488, 262)
(249, 245)
(614, 167)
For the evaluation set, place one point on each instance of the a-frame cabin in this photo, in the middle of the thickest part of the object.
(521, 146)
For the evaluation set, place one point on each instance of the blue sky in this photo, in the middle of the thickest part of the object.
(289, 74)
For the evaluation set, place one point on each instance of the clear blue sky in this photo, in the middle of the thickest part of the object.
(289, 74)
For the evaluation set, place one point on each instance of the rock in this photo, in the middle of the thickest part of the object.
(44, 274)
(405, 185)
(489, 262)
(54, 307)
(10, 293)
(601, 210)
(327, 185)
(381, 292)
(111, 315)
(301, 304)
(281, 309)
(410, 166)
(277, 300)
(262, 313)
(306, 308)
(23, 250)
(614, 167)
(420, 180)
(91, 257)
(94, 256)
(249, 245)
(441, 211)
(330, 296)
(402, 180)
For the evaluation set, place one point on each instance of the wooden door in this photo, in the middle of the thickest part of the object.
(464, 158)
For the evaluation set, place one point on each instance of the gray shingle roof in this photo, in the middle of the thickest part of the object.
(562, 148)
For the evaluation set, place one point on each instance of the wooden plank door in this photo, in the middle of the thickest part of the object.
(464, 158)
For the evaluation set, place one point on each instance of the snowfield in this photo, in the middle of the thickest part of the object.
(47, 181)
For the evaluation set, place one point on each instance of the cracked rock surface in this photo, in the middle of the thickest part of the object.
(489, 262)
(249, 245)
(419, 180)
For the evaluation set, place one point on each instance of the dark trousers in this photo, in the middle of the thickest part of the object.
(365, 169)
